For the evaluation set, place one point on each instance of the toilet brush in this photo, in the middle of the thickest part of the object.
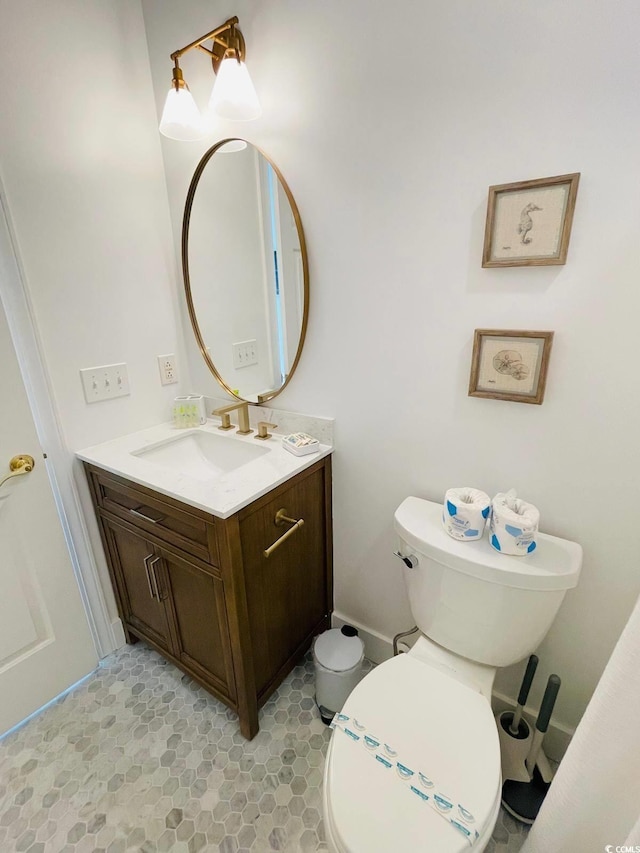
(524, 799)
(530, 671)
(515, 733)
(542, 723)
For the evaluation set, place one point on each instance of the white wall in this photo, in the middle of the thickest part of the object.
(389, 159)
(81, 167)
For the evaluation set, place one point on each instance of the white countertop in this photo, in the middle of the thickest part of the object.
(221, 495)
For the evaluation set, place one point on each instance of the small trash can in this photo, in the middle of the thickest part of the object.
(337, 656)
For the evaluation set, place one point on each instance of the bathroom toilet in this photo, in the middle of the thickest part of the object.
(414, 759)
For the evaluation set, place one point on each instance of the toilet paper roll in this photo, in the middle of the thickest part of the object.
(465, 513)
(514, 524)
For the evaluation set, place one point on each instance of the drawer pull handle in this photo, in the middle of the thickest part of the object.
(154, 579)
(280, 519)
(146, 516)
(148, 573)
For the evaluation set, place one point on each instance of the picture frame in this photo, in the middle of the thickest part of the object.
(529, 222)
(510, 365)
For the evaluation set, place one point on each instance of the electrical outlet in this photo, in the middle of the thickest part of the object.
(168, 370)
(105, 382)
(245, 353)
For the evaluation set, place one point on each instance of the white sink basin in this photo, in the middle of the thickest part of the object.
(201, 455)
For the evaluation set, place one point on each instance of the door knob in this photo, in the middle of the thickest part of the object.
(21, 464)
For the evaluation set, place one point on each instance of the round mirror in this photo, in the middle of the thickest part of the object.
(245, 269)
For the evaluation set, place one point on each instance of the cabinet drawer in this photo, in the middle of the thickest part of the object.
(191, 531)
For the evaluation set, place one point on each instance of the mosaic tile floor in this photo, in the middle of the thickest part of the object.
(139, 758)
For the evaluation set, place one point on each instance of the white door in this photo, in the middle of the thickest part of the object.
(45, 643)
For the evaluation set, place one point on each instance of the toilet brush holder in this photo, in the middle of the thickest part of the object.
(523, 800)
(515, 733)
(514, 748)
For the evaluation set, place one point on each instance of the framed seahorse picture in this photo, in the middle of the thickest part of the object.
(510, 365)
(529, 222)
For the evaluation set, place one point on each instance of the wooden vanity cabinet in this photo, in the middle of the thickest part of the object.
(201, 591)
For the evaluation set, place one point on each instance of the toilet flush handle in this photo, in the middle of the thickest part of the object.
(410, 561)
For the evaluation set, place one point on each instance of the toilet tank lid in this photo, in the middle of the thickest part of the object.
(555, 564)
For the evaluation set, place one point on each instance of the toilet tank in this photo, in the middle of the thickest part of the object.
(466, 596)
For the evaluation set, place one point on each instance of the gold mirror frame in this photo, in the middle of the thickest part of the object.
(193, 186)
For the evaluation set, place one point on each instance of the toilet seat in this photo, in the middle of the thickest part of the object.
(438, 726)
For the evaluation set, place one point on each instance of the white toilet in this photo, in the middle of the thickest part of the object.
(414, 762)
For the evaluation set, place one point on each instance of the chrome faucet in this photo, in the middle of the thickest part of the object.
(243, 417)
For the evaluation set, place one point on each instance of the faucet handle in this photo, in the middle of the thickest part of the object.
(263, 426)
(225, 419)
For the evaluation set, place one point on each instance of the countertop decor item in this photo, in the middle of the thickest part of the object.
(300, 443)
(510, 365)
(529, 222)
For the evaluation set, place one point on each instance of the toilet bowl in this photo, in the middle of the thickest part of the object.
(438, 729)
(414, 758)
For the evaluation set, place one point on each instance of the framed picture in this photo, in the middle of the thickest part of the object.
(529, 223)
(510, 365)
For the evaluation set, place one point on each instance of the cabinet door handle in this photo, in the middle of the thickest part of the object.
(148, 572)
(147, 516)
(160, 594)
(280, 519)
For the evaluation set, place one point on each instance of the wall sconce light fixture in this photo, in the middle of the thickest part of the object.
(233, 96)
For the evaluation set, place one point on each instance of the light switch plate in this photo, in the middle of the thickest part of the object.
(105, 382)
(245, 353)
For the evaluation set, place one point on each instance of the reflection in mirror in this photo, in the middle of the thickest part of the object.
(245, 269)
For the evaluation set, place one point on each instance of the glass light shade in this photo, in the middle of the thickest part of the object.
(233, 95)
(181, 117)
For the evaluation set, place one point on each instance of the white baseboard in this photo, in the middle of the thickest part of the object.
(118, 633)
(379, 648)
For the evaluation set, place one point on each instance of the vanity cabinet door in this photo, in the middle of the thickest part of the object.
(202, 641)
(139, 575)
(288, 593)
